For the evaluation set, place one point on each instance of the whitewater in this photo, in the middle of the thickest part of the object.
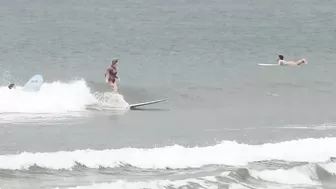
(55, 99)
(228, 153)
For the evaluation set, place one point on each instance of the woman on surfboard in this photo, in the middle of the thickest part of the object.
(111, 74)
(282, 62)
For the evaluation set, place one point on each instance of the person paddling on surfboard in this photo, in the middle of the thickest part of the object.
(282, 62)
(111, 74)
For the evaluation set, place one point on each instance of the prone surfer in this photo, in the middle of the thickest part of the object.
(111, 72)
(282, 62)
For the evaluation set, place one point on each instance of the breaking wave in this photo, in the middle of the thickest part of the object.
(54, 99)
(178, 157)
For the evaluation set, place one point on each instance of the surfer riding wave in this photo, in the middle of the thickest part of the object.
(111, 75)
(282, 62)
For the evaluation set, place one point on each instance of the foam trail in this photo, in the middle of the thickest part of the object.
(227, 153)
(110, 99)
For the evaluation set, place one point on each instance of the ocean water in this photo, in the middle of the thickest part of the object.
(229, 123)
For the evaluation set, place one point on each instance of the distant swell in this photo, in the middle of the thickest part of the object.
(175, 157)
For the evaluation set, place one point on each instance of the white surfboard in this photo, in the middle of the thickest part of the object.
(33, 84)
(132, 106)
(268, 64)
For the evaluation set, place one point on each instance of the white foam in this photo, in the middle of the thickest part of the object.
(53, 97)
(56, 99)
(227, 153)
(111, 100)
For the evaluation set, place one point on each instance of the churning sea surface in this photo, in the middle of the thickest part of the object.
(229, 123)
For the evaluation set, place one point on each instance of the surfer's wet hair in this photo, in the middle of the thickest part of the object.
(281, 57)
(114, 61)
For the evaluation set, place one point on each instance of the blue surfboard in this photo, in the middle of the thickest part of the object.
(33, 84)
